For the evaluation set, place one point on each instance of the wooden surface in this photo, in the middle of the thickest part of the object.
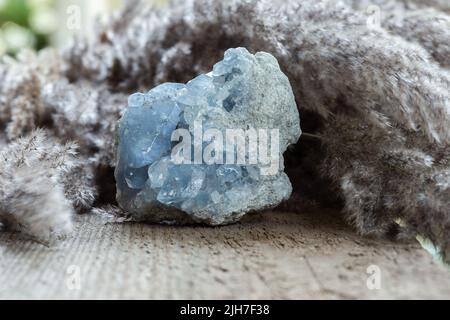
(269, 255)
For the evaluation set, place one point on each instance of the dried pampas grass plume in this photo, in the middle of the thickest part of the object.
(32, 196)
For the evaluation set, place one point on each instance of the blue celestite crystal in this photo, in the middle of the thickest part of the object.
(243, 92)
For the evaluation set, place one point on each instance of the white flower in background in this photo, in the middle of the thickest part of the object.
(44, 20)
(15, 37)
(2, 46)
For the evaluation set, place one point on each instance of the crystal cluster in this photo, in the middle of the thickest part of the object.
(212, 178)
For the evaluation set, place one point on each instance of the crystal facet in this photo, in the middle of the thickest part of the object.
(215, 176)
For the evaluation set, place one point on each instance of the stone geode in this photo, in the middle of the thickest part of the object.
(210, 150)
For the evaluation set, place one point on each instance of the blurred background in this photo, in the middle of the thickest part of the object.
(40, 23)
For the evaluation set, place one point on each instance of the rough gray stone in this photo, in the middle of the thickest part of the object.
(210, 150)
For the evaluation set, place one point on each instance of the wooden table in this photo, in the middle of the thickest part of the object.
(271, 255)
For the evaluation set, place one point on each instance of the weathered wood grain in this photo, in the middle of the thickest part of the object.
(270, 255)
